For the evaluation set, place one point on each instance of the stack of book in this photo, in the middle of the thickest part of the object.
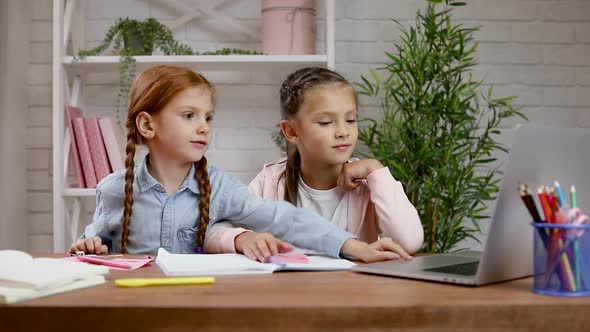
(23, 277)
(97, 147)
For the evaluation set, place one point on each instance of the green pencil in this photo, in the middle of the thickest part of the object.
(573, 197)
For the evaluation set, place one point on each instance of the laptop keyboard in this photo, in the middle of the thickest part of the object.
(464, 269)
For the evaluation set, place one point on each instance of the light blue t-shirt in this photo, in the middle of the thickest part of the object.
(171, 222)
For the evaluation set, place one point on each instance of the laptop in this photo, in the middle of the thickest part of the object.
(538, 156)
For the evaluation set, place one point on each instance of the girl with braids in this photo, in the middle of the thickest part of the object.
(319, 123)
(171, 198)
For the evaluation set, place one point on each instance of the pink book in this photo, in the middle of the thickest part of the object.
(72, 113)
(85, 155)
(114, 142)
(100, 160)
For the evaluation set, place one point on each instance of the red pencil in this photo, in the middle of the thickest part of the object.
(545, 205)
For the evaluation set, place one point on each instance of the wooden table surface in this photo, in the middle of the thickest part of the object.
(300, 301)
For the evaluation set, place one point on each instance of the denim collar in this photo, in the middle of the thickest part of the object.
(146, 181)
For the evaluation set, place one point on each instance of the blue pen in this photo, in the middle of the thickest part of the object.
(560, 196)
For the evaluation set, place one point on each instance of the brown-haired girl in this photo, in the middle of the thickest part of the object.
(172, 196)
(319, 123)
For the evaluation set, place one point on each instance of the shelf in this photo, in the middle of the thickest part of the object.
(79, 192)
(202, 62)
(68, 202)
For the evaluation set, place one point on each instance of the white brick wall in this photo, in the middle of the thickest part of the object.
(39, 130)
(536, 49)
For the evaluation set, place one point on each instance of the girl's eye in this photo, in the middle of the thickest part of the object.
(324, 123)
(209, 118)
(188, 115)
(351, 121)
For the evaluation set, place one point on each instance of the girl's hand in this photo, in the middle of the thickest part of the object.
(90, 246)
(380, 250)
(353, 172)
(260, 246)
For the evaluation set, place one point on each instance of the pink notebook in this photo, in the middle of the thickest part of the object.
(100, 160)
(72, 113)
(85, 154)
(114, 142)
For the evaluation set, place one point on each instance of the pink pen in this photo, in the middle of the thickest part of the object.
(101, 261)
(284, 259)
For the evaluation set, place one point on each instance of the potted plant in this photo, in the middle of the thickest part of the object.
(130, 37)
(438, 132)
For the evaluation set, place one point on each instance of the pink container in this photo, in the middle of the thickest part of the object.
(288, 27)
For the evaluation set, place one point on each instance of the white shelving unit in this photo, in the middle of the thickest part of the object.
(68, 202)
(208, 62)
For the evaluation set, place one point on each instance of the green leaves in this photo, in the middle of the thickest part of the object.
(438, 131)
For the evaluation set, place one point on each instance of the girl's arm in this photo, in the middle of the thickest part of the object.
(220, 238)
(301, 227)
(225, 238)
(398, 219)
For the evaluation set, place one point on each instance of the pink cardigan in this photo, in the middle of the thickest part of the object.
(379, 206)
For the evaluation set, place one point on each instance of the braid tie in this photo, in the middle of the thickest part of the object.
(288, 91)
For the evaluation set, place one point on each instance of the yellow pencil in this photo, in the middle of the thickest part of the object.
(142, 282)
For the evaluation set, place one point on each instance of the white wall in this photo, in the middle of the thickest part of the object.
(536, 49)
(15, 25)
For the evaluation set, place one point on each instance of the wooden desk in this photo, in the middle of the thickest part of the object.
(299, 301)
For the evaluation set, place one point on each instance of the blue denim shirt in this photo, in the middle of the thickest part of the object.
(171, 222)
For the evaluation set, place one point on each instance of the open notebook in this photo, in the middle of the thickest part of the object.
(224, 264)
(23, 277)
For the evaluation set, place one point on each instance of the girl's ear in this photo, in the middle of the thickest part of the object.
(144, 122)
(289, 131)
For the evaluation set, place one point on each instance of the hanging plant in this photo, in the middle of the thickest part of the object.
(129, 37)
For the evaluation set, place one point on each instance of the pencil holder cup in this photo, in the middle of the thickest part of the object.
(561, 259)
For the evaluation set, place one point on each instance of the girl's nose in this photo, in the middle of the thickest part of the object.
(342, 131)
(203, 129)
